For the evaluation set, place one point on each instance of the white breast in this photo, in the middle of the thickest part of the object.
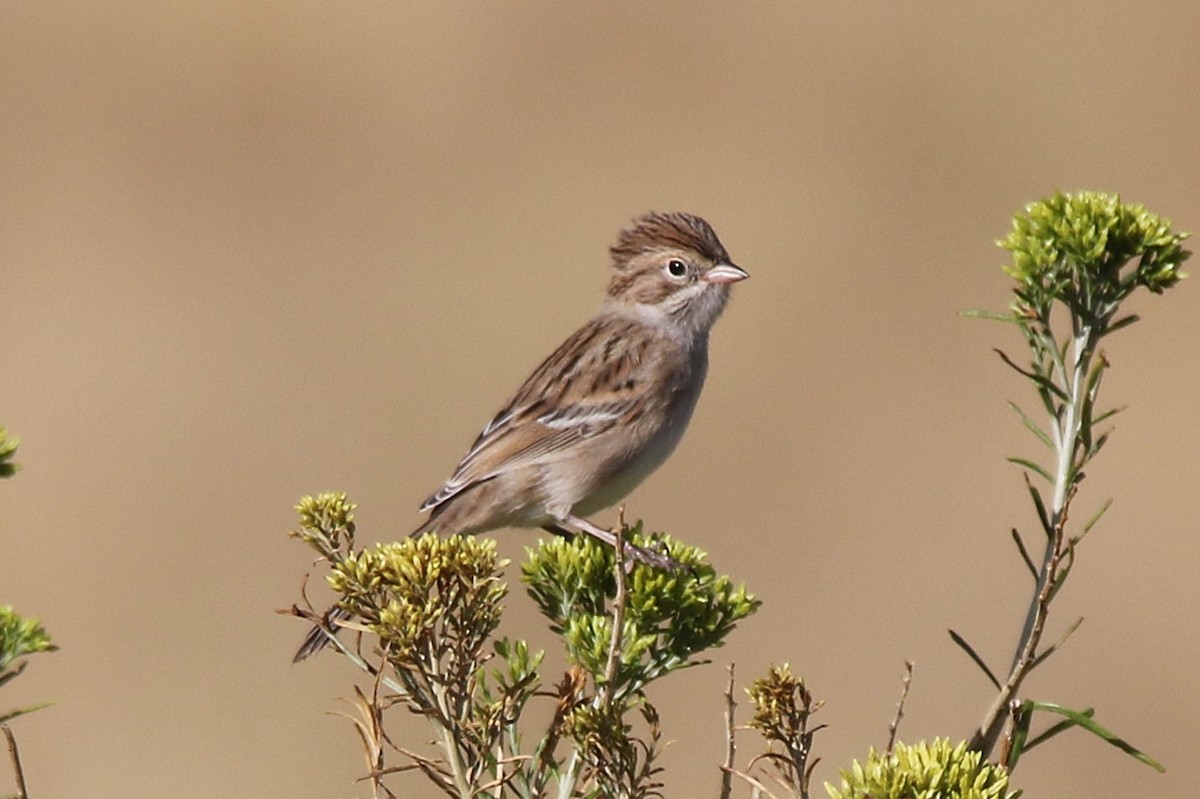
(657, 449)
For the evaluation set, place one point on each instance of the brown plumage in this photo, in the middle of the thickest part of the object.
(608, 406)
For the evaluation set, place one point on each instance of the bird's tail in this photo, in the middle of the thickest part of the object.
(427, 527)
(321, 634)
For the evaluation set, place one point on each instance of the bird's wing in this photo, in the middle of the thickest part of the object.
(583, 389)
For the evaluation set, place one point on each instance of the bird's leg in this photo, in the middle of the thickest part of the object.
(647, 556)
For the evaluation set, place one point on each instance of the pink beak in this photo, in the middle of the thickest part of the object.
(724, 273)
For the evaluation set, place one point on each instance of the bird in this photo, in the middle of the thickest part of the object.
(605, 409)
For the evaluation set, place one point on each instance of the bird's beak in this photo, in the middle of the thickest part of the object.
(724, 273)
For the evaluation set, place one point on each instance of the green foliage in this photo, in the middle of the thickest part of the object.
(326, 524)
(670, 616)
(1021, 742)
(19, 637)
(421, 594)
(435, 604)
(427, 609)
(666, 619)
(1074, 249)
(8, 446)
(1076, 258)
(782, 705)
(619, 763)
(923, 771)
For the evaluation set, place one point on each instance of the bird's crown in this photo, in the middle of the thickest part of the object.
(655, 231)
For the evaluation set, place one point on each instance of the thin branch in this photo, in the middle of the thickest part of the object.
(429, 767)
(1068, 382)
(605, 694)
(446, 721)
(13, 672)
(730, 742)
(895, 725)
(985, 737)
(15, 757)
(756, 784)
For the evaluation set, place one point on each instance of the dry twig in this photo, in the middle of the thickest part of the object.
(895, 725)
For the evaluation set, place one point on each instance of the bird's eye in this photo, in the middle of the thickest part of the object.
(677, 268)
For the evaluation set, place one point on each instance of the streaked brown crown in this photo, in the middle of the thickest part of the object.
(654, 232)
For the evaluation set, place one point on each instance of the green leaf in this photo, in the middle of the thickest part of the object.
(1033, 467)
(1123, 322)
(12, 714)
(670, 617)
(1085, 721)
(971, 653)
(1016, 536)
(1041, 381)
(1062, 639)
(1055, 729)
(19, 637)
(1110, 412)
(1020, 734)
(8, 446)
(925, 770)
(1098, 445)
(1040, 505)
(1031, 425)
(1096, 517)
(993, 316)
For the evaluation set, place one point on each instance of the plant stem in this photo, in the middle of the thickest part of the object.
(730, 740)
(566, 783)
(1066, 433)
(607, 690)
(895, 725)
(14, 755)
(447, 723)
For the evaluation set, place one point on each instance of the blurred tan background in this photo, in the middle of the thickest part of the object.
(252, 251)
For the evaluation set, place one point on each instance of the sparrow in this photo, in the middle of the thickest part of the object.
(606, 408)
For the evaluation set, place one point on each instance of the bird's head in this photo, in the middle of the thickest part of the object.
(673, 268)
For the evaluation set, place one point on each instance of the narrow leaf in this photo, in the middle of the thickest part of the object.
(1062, 639)
(1018, 369)
(1041, 380)
(1033, 467)
(1055, 411)
(1087, 528)
(1109, 413)
(1085, 427)
(1055, 729)
(1093, 381)
(12, 714)
(975, 313)
(1066, 564)
(1043, 516)
(1095, 448)
(1103, 733)
(1124, 321)
(1024, 553)
(1022, 716)
(1032, 425)
(971, 653)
